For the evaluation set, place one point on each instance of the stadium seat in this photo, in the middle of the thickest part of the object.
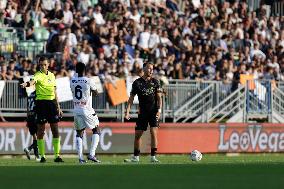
(41, 34)
(45, 34)
(37, 34)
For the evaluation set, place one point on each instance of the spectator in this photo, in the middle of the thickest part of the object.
(67, 14)
(144, 37)
(98, 16)
(85, 55)
(205, 39)
(83, 6)
(109, 47)
(72, 40)
(48, 5)
(56, 15)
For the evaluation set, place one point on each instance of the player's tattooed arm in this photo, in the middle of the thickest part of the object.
(129, 104)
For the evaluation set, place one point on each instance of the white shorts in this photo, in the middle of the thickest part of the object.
(86, 121)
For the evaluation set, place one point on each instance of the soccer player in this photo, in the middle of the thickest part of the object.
(47, 108)
(84, 114)
(150, 103)
(31, 124)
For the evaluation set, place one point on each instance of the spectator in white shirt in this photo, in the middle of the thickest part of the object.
(257, 52)
(274, 64)
(108, 48)
(72, 39)
(154, 39)
(3, 4)
(85, 55)
(48, 5)
(165, 40)
(125, 2)
(135, 15)
(68, 16)
(186, 43)
(98, 16)
(137, 59)
(144, 39)
(83, 6)
(161, 51)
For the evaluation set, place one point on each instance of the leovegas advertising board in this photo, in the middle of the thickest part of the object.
(211, 138)
(173, 138)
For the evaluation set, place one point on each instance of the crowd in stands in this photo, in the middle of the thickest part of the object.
(194, 39)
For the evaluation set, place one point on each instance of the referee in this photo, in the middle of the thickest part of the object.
(47, 107)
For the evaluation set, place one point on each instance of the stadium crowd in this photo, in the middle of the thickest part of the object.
(198, 40)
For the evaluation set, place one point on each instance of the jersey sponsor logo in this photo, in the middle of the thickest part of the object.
(82, 103)
(79, 81)
(147, 91)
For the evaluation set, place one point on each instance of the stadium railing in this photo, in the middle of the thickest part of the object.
(184, 101)
(13, 100)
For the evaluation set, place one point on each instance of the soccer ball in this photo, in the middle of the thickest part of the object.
(195, 155)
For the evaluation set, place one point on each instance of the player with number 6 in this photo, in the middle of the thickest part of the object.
(84, 115)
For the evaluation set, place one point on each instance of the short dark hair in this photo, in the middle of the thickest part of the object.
(42, 58)
(146, 63)
(80, 67)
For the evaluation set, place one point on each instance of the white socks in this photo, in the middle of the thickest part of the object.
(94, 144)
(79, 145)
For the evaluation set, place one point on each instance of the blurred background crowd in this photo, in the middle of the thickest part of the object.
(194, 39)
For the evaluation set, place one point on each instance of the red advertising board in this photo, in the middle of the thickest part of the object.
(233, 137)
(172, 137)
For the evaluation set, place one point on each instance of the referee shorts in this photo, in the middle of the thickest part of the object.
(46, 111)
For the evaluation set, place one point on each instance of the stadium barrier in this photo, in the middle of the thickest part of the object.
(173, 138)
(206, 101)
(13, 100)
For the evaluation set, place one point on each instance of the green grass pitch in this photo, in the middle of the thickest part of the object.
(175, 171)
